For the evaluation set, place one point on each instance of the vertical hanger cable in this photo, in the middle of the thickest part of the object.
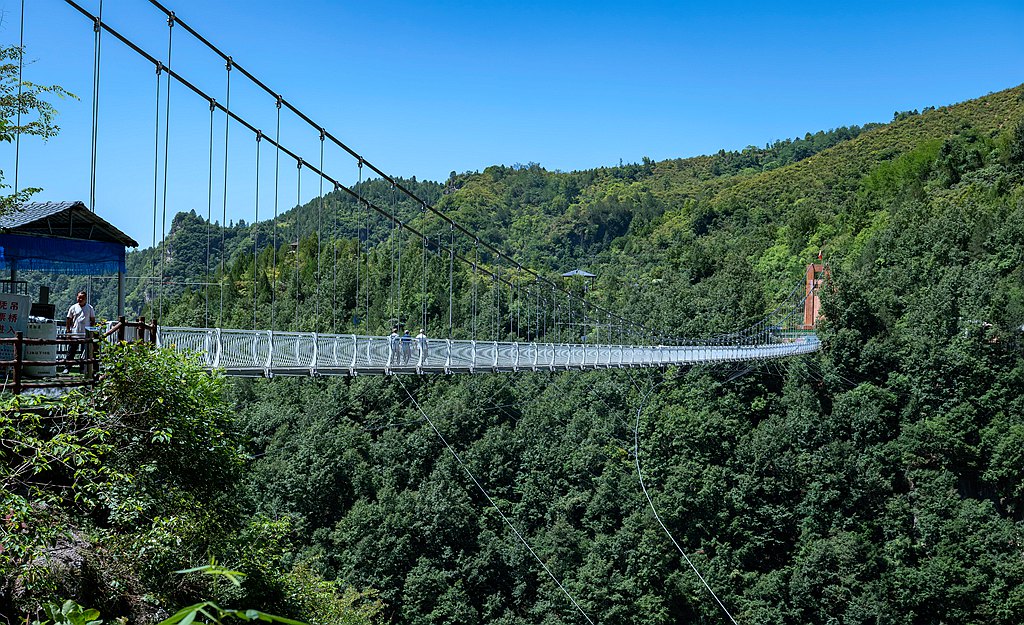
(277, 180)
(209, 220)
(298, 242)
(156, 190)
(255, 230)
(167, 138)
(95, 102)
(224, 207)
(21, 70)
(319, 227)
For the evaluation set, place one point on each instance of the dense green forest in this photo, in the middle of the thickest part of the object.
(879, 481)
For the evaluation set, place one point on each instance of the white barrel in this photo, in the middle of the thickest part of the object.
(41, 352)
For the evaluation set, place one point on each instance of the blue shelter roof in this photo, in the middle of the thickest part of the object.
(61, 237)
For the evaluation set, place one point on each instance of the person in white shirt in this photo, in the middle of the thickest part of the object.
(421, 341)
(394, 347)
(80, 316)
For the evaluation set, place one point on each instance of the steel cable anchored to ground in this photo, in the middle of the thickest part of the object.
(490, 501)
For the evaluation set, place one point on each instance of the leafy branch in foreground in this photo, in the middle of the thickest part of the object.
(210, 612)
(51, 460)
(69, 613)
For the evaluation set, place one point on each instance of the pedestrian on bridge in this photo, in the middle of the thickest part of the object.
(421, 342)
(394, 347)
(406, 347)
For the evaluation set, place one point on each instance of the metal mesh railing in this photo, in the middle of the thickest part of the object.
(260, 352)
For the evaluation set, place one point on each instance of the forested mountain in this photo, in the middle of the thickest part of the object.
(849, 487)
(879, 481)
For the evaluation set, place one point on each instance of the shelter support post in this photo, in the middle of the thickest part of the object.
(120, 294)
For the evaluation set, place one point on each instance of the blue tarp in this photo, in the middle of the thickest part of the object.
(65, 256)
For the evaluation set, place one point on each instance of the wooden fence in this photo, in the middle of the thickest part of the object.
(18, 380)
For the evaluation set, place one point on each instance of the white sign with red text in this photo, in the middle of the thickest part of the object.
(14, 310)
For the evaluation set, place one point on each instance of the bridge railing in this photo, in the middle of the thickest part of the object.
(262, 352)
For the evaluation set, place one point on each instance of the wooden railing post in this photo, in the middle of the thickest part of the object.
(88, 367)
(120, 329)
(152, 336)
(18, 338)
(140, 330)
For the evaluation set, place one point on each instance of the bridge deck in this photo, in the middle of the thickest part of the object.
(266, 353)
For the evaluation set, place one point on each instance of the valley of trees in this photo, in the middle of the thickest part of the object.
(879, 481)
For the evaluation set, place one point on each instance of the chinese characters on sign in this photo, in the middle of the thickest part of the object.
(14, 311)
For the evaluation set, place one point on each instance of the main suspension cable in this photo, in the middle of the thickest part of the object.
(358, 197)
(455, 225)
(466, 232)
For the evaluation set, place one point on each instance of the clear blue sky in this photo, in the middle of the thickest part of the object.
(425, 88)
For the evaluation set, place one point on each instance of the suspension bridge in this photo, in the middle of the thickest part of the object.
(518, 319)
